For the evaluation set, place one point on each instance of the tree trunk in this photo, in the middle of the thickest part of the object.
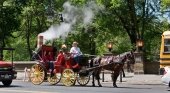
(1, 51)
(133, 18)
(1, 55)
(29, 22)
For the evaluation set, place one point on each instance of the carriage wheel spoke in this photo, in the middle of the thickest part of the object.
(68, 77)
(37, 74)
(54, 79)
(83, 80)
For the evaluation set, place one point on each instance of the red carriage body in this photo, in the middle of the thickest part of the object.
(46, 54)
(64, 61)
(55, 66)
(61, 60)
(63, 65)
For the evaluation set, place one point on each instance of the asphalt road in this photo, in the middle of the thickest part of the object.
(18, 86)
(130, 84)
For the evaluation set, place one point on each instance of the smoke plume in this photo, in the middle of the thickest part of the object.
(71, 15)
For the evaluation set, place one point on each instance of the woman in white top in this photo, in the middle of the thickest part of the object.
(76, 52)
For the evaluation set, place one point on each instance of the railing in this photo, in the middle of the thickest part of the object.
(21, 65)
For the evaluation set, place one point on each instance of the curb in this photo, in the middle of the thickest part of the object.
(130, 78)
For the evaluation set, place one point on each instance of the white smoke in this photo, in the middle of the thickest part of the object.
(88, 16)
(71, 15)
(55, 31)
(89, 11)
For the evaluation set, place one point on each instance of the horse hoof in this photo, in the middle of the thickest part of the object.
(115, 86)
(100, 85)
(93, 85)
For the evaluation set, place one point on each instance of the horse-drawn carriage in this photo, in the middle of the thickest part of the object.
(66, 70)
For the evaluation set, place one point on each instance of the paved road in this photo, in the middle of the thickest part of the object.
(23, 87)
(130, 78)
(131, 84)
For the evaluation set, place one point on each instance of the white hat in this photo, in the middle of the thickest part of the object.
(75, 43)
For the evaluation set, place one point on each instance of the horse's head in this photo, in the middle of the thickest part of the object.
(130, 57)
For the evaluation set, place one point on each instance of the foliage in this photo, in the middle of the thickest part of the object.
(9, 22)
(121, 22)
(165, 4)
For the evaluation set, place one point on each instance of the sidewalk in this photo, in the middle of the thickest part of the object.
(145, 79)
(130, 78)
(21, 75)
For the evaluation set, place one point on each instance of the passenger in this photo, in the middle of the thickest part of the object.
(64, 57)
(44, 57)
(76, 52)
(67, 57)
(50, 62)
(60, 58)
(64, 48)
(50, 56)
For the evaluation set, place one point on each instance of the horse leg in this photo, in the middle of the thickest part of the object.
(128, 66)
(98, 78)
(123, 72)
(114, 78)
(132, 67)
(93, 80)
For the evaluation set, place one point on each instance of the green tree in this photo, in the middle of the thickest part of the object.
(138, 18)
(122, 22)
(34, 20)
(9, 22)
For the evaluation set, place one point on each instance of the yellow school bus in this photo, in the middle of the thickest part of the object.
(165, 50)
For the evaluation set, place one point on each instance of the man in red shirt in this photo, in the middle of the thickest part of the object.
(60, 59)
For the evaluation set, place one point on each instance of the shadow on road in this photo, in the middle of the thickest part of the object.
(12, 86)
(125, 87)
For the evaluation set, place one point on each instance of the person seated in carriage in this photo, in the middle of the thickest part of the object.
(76, 52)
(60, 59)
(65, 59)
(48, 60)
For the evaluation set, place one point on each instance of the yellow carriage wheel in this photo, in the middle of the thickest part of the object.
(54, 79)
(37, 74)
(83, 80)
(68, 77)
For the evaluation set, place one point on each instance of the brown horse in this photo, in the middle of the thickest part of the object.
(111, 63)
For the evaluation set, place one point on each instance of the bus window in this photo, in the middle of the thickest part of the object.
(167, 45)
